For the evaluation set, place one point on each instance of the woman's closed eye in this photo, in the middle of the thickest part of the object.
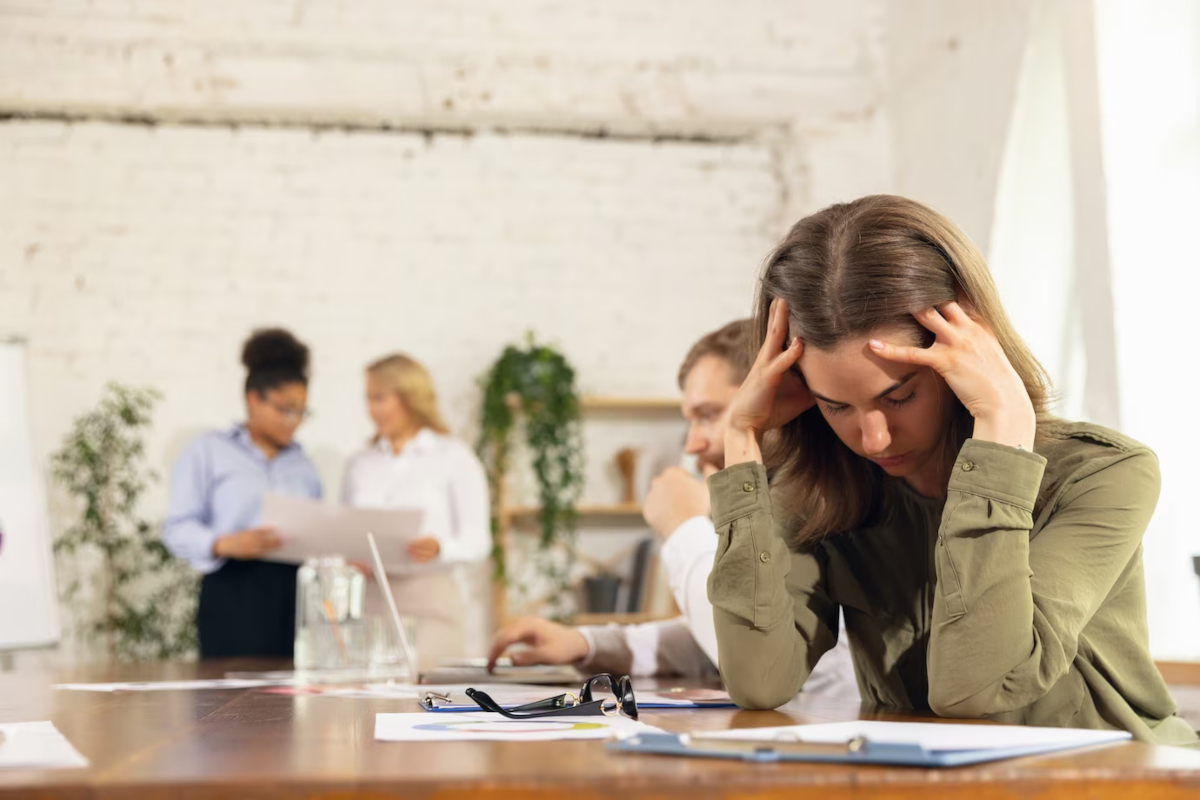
(900, 402)
(833, 409)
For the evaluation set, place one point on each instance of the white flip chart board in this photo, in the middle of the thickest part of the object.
(28, 597)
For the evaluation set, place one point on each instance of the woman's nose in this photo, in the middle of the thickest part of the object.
(875, 436)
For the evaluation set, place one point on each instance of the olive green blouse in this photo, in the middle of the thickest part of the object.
(1020, 597)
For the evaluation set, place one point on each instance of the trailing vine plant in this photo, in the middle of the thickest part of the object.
(146, 598)
(538, 381)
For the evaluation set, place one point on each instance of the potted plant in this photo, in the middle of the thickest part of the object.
(600, 592)
(145, 598)
(536, 383)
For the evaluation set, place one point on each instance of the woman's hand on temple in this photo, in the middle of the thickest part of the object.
(772, 395)
(969, 357)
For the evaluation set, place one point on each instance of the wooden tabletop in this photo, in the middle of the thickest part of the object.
(248, 743)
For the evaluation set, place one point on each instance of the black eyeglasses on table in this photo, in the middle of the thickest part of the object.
(620, 700)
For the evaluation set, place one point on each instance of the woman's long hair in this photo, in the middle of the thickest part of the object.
(846, 272)
(409, 379)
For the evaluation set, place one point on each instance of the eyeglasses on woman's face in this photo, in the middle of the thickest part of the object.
(289, 413)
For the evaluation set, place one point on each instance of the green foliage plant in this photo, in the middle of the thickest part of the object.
(537, 382)
(145, 606)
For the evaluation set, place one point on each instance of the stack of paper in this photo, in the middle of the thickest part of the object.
(36, 745)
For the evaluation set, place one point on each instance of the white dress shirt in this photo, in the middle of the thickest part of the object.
(437, 474)
(687, 645)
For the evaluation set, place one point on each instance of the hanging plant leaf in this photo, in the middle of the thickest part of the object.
(538, 381)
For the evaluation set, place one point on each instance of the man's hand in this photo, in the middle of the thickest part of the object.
(548, 643)
(674, 498)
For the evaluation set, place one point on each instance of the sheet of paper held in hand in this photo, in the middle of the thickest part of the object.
(312, 528)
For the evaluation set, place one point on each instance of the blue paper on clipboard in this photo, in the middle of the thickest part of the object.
(914, 744)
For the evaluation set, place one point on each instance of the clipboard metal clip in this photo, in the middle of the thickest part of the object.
(430, 700)
(788, 745)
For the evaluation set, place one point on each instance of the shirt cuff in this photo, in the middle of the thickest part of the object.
(199, 541)
(449, 552)
(737, 491)
(998, 472)
(692, 538)
(608, 648)
(591, 645)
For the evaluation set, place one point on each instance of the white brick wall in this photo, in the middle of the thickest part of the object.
(633, 65)
(146, 255)
(299, 172)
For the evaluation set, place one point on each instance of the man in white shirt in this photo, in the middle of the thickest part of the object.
(677, 509)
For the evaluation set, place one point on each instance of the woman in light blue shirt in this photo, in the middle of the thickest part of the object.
(247, 606)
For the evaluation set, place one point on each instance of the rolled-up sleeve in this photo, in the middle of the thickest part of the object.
(1008, 611)
(662, 648)
(772, 614)
(186, 532)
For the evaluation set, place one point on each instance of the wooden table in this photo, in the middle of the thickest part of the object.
(247, 743)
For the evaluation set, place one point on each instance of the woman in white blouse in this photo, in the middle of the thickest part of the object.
(413, 462)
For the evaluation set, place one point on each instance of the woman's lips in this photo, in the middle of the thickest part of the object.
(890, 461)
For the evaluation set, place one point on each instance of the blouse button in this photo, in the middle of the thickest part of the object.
(968, 466)
(764, 556)
(747, 487)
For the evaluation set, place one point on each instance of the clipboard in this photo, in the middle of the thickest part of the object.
(903, 750)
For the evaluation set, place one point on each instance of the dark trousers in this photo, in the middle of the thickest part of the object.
(248, 608)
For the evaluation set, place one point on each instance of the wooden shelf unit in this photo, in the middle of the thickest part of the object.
(633, 404)
(620, 511)
(621, 618)
(520, 518)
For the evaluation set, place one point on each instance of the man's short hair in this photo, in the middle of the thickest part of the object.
(731, 344)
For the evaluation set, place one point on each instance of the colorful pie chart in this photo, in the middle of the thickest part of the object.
(516, 728)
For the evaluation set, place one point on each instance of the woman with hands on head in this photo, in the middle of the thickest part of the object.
(891, 454)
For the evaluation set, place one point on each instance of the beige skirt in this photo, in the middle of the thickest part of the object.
(435, 601)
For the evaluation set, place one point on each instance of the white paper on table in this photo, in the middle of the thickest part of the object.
(312, 528)
(374, 691)
(163, 686)
(932, 736)
(37, 745)
(468, 727)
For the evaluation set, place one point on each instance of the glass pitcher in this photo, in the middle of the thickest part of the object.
(330, 630)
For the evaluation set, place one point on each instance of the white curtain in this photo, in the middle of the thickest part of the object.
(1149, 76)
(1094, 253)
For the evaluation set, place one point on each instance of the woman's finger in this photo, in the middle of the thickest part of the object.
(954, 313)
(776, 333)
(784, 361)
(921, 356)
(933, 321)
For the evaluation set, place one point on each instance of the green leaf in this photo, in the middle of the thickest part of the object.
(145, 599)
(543, 382)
